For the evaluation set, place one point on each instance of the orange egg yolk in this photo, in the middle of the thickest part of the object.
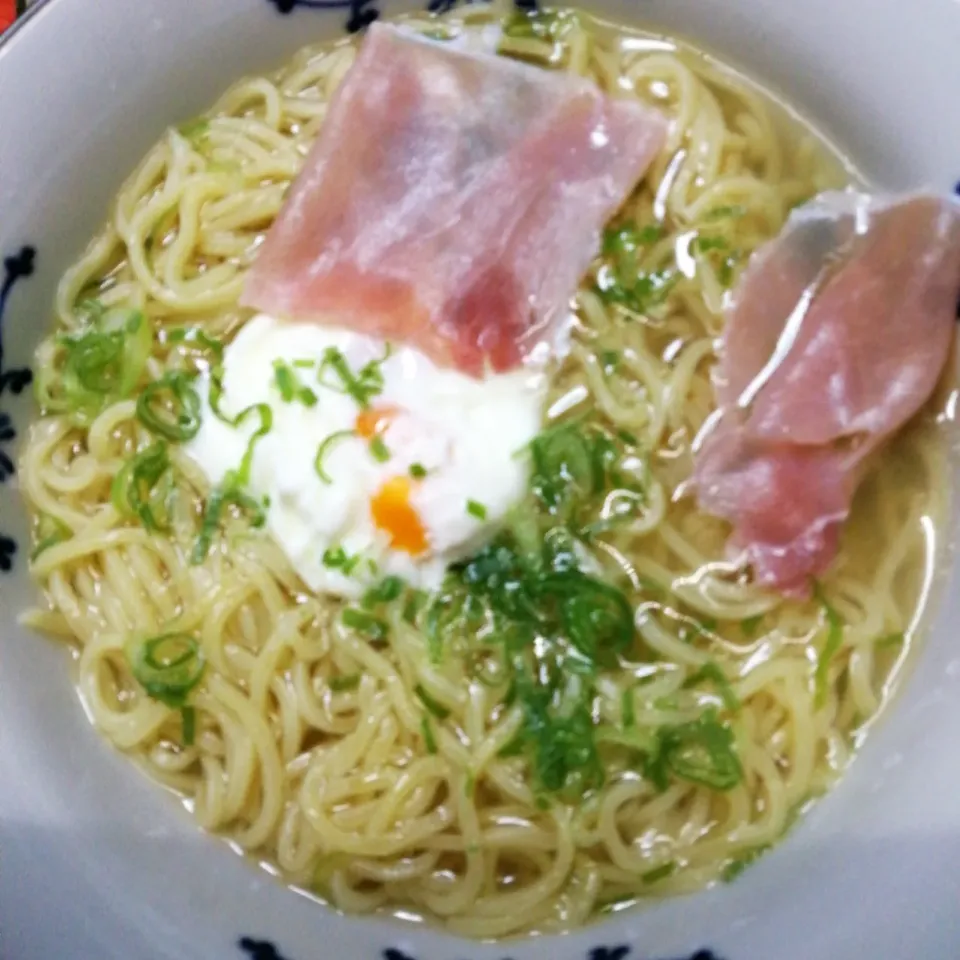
(394, 514)
(372, 422)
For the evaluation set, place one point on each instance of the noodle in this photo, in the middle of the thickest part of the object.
(331, 782)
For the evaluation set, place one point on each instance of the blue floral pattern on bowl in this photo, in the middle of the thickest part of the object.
(16, 267)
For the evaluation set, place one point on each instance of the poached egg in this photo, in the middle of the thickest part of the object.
(377, 461)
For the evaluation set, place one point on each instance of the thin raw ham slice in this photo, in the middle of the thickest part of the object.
(452, 202)
(838, 333)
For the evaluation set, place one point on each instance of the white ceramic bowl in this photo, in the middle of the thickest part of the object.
(98, 863)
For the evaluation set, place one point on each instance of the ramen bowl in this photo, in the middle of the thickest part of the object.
(100, 863)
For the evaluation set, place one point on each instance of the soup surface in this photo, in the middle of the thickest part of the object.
(595, 707)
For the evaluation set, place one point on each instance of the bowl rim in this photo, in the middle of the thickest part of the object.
(613, 929)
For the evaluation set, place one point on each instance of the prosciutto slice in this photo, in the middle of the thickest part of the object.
(838, 334)
(452, 202)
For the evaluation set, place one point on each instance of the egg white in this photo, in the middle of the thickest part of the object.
(467, 434)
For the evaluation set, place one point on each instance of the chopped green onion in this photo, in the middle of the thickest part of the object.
(194, 130)
(597, 618)
(289, 385)
(242, 473)
(168, 667)
(609, 360)
(641, 294)
(414, 604)
(388, 590)
(102, 362)
(188, 717)
(418, 471)
(477, 510)
(437, 709)
(830, 649)
(512, 748)
(427, 731)
(336, 558)
(229, 493)
(325, 446)
(707, 244)
(378, 450)
(241, 476)
(362, 386)
(726, 273)
(285, 380)
(365, 623)
(195, 336)
(170, 407)
(49, 533)
(891, 640)
(563, 745)
(136, 490)
(345, 683)
(711, 672)
(627, 710)
(734, 868)
(657, 874)
(700, 751)
(552, 25)
(562, 466)
(627, 239)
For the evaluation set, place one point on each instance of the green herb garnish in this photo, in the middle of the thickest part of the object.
(141, 489)
(627, 710)
(188, 719)
(437, 709)
(378, 450)
(194, 130)
(336, 558)
(662, 872)
(550, 25)
(196, 337)
(609, 360)
(386, 591)
(324, 449)
(701, 751)
(712, 673)
(620, 280)
(96, 365)
(830, 649)
(365, 623)
(427, 732)
(49, 532)
(362, 386)
(477, 510)
(891, 640)
(168, 667)
(288, 383)
(170, 407)
(344, 683)
(229, 493)
(734, 868)
(418, 471)
(707, 244)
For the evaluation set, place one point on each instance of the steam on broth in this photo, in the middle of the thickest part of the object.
(597, 706)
